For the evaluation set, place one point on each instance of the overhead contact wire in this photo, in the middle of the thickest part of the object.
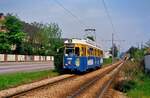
(108, 15)
(69, 12)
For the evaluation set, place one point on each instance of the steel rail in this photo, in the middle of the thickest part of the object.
(109, 82)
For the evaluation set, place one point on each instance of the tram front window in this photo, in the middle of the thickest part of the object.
(69, 51)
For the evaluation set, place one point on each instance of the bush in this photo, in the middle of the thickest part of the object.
(133, 80)
(125, 85)
(58, 62)
(132, 69)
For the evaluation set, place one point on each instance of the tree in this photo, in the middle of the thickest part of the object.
(53, 37)
(14, 31)
(44, 38)
(13, 24)
(54, 42)
(136, 53)
(4, 43)
(31, 30)
(30, 38)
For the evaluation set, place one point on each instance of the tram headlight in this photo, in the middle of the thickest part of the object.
(66, 64)
(69, 62)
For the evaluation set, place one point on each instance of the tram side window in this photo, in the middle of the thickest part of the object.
(100, 53)
(92, 51)
(84, 51)
(95, 52)
(77, 52)
(88, 51)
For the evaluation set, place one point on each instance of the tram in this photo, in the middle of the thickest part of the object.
(82, 55)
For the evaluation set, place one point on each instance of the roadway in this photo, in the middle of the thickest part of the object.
(10, 67)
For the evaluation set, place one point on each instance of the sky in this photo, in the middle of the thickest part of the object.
(131, 18)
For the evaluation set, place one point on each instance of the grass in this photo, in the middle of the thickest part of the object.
(15, 79)
(137, 83)
(107, 61)
(141, 88)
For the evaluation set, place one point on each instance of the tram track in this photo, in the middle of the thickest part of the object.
(99, 86)
(14, 92)
(70, 87)
(85, 90)
(89, 83)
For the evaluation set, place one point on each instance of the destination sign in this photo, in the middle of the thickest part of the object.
(69, 45)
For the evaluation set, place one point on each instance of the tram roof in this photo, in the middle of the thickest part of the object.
(82, 41)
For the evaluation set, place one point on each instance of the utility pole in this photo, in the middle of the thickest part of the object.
(113, 40)
(112, 47)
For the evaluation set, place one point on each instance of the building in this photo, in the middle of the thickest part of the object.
(107, 54)
(147, 63)
(2, 26)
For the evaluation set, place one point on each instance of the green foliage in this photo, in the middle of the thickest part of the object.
(58, 62)
(135, 83)
(13, 24)
(136, 53)
(27, 48)
(38, 39)
(14, 27)
(125, 86)
(17, 37)
(44, 38)
(15, 79)
(53, 34)
(13, 36)
(4, 43)
(141, 89)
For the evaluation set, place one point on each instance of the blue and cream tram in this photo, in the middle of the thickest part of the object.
(81, 55)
